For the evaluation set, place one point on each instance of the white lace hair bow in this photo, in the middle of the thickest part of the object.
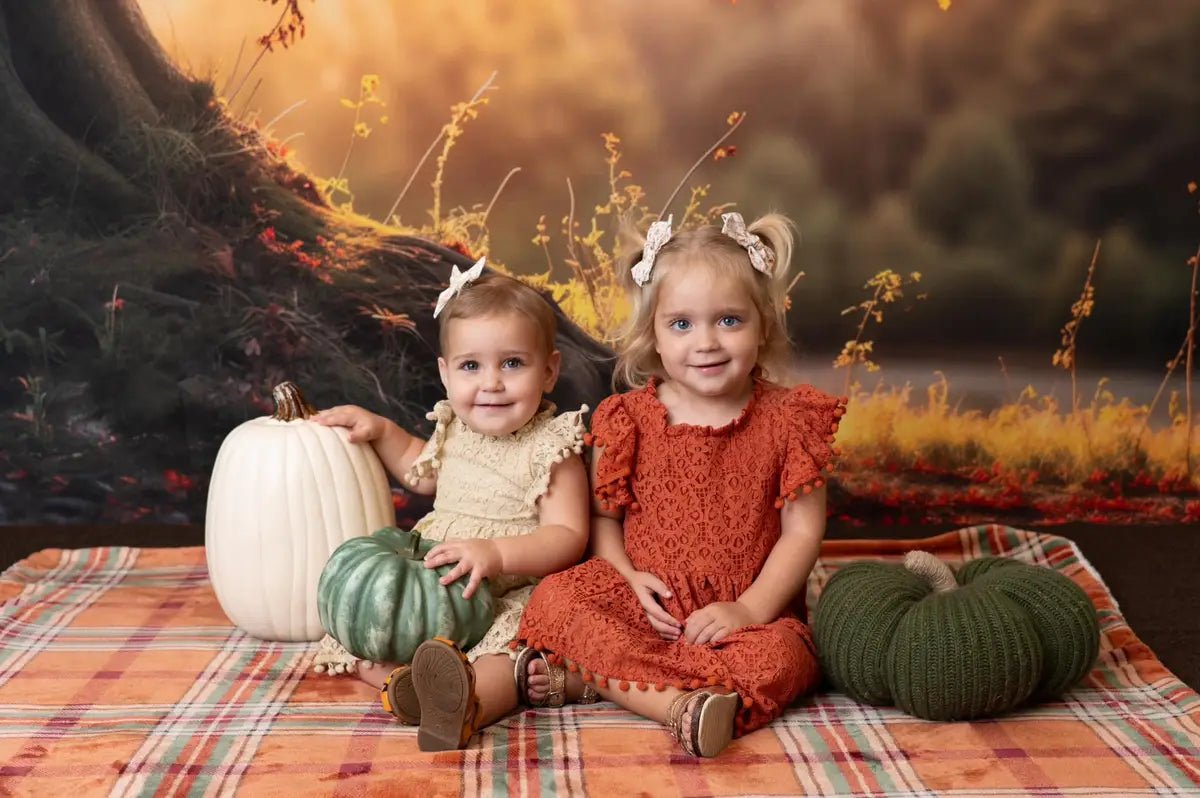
(761, 256)
(656, 238)
(458, 281)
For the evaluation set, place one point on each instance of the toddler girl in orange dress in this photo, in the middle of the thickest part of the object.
(708, 483)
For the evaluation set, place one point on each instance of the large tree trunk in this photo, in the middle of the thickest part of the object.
(176, 207)
(167, 87)
(37, 158)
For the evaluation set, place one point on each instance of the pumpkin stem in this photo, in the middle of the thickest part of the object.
(416, 544)
(931, 569)
(289, 403)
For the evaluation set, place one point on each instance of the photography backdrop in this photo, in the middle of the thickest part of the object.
(995, 200)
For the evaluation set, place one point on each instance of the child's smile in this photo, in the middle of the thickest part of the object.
(712, 368)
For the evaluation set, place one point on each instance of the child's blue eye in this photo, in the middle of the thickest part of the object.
(729, 321)
(513, 363)
(468, 365)
(680, 325)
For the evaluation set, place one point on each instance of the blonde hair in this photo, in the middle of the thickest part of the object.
(493, 294)
(705, 247)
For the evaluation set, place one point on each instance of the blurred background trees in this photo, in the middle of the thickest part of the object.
(987, 147)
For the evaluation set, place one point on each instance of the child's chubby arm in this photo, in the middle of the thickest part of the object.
(558, 542)
(783, 575)
(396, 447)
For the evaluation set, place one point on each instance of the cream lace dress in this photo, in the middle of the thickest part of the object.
(487, 487)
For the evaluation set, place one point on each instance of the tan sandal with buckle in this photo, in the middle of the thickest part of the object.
(399, 697)
(713, 713)
(557, 695)
(444, 683)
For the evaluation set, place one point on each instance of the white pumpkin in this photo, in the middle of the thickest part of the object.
(285, 492)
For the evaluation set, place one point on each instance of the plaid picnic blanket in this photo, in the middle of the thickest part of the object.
(119, 675)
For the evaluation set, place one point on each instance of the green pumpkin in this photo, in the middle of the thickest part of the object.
(377, 598)
(947, 648)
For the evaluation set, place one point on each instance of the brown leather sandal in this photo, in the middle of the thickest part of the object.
(399, 697)
(714, 709)
(557, 695)
(444, 683)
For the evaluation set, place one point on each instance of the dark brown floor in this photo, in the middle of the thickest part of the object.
(1151, 570)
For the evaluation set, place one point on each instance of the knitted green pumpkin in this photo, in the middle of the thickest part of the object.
(377, 598)
(945, 649)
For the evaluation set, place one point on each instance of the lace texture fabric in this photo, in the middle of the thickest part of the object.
(701, 513)
(488, 487)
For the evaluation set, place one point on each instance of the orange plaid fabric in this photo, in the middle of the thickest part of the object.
(120, 675)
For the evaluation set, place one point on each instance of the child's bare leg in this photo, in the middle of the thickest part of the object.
(401, 699)
(494, 684)
(375, 672)
(495, 687)
(651, 704)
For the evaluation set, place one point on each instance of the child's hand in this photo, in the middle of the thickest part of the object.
(646, 586)
(480, 558)
(713, 623)
(364, 425)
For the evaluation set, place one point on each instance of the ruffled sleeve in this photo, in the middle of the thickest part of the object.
(559, 438)
(613, 430)
(430, 459)
(811, 419)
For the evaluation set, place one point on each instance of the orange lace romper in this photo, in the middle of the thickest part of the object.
(702, 514)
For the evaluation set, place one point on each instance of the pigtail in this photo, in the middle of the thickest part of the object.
(778, 233)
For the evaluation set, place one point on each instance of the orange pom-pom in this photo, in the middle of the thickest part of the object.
(792, 496)
(712, 680)
(602, 681)
(573, 667)
(697, 683)
(829, 468)
(778, 504)
(660, 687)
(834, 428)
(623, 686)
(587, 675)
(747, 702)
(588, 438)
(808, 488)
(634, 507)
(642, 686)
(839, 411)
(678, 685)
(513, 645)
